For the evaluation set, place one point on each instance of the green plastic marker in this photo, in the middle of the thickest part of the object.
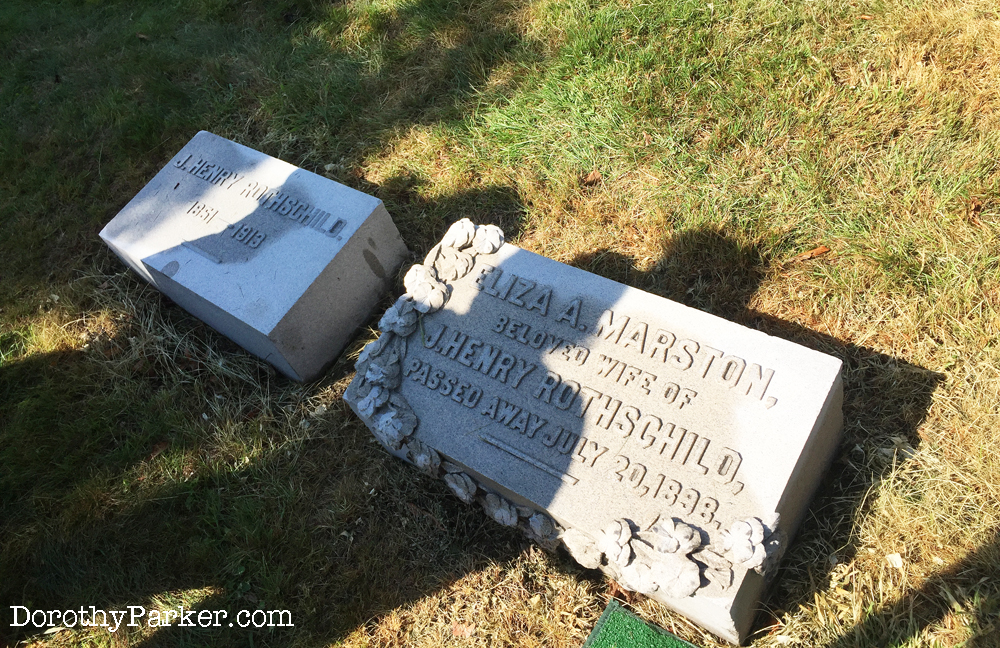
(619, 628)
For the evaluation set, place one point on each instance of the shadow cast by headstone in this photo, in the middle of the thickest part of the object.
(956, 590)
(885, 400)
(701, 267)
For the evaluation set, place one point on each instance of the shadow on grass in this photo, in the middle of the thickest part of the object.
(117, 492)
(306, 529)
(494, 204)
(957, 589)
(884, 397)
(316, 83)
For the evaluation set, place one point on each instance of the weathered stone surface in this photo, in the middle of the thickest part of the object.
(282, 261)
(674, 450)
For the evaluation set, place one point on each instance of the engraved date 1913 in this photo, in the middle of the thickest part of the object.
(249, 236)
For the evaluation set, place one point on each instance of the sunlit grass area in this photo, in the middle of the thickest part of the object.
(695, 150)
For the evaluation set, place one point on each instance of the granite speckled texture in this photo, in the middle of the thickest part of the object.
(282, 261)
(672, 449)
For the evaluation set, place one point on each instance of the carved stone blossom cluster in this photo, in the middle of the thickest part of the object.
(666, 568)
(425, 283)
(752, 543)
(384, 409)
(451, 259)
(676, 573)
(387, 412)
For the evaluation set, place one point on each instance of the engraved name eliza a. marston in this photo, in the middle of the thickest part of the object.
(629, 333)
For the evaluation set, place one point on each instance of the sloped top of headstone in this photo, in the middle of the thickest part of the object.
(224, 221)
(284, 262)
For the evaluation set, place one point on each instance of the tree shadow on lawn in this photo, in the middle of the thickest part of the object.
(884, 397)
(115, 498)
(306, 80)
(363, 75)
(331, 529)
(494, 204)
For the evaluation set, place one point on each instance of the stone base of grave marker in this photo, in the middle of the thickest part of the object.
(672, 449)
(282, 261)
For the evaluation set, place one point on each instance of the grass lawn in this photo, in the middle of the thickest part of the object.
(694, 150)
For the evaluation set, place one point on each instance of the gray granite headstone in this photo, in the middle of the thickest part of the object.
(282, 261)
(670, 448)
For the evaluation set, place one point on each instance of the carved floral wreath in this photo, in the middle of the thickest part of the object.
(668, 557)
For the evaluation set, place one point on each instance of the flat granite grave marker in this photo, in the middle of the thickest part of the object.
(670, 448)
(284, 262)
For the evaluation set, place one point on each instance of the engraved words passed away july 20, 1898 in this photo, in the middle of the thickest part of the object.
(670, 448)
(282, 261)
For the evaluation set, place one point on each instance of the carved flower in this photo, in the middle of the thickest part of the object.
(673, 536)
(423, 457)
(615, 542)
(540, 528)
(400, 318)
(459, 235)
(394, 425)
(384, 370)
(430, 298)
(373, 349)
(500, 509)
(462, 485)
(376, 398)
(416, 275)
(676, 575)
(584, 550)
(452, 264)
(638, 577)
(489, 239)
(541, 525)
(449, 467)
(428, 294)
(718, 569)
(748, 543)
